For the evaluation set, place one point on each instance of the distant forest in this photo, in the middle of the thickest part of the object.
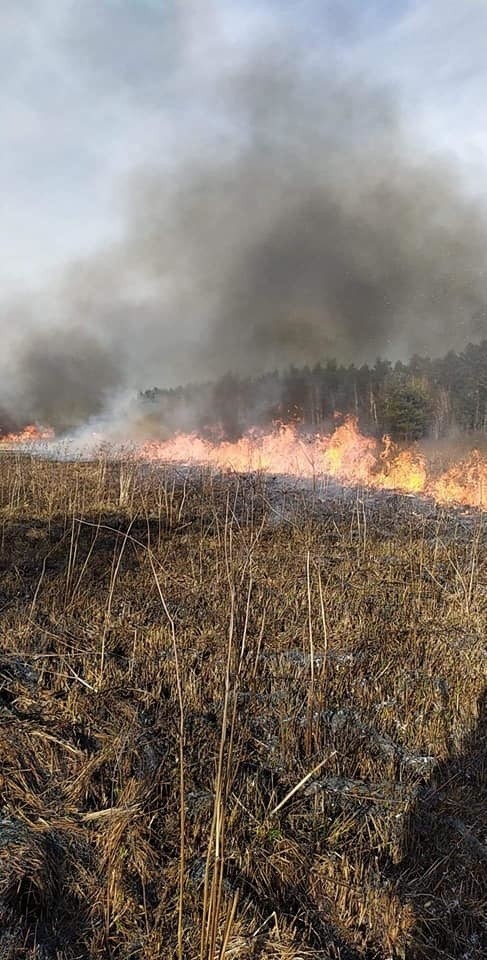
(424, 397)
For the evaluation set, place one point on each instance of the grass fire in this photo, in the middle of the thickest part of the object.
(242, 703)
(243, 480)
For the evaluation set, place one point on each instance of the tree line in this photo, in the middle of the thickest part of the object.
(423, 397)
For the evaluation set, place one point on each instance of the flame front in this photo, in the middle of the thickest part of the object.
(465, 482)
(32, 433)
(346, 455)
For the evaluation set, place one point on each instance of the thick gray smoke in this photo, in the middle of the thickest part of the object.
(313, 226)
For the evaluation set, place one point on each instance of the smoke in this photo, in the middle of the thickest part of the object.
(68, 377)
(307, 224)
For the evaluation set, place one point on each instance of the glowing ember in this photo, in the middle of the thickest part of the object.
(29, 434)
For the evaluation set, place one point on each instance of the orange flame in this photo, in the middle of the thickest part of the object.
(406, 471)
(346, 455)
(29, 434)
(465, 482)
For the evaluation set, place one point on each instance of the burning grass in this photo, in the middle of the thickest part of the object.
(447, 472)
(238, 720)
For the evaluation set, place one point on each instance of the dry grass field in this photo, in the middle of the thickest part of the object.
(238, 723)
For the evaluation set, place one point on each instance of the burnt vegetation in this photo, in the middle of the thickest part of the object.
(237, 720)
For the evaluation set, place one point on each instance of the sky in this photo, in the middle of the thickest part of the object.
(110, 108)
(93, 89)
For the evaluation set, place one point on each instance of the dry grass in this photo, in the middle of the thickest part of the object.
(237, 724)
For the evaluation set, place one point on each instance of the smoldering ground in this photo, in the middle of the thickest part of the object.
(308, 224)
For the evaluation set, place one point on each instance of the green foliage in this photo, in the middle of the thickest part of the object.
(406, 399)
(406, 408)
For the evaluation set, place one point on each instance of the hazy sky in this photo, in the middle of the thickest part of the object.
(92, 89)
(196, 185)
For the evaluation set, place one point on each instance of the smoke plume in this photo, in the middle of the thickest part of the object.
(310, 225)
